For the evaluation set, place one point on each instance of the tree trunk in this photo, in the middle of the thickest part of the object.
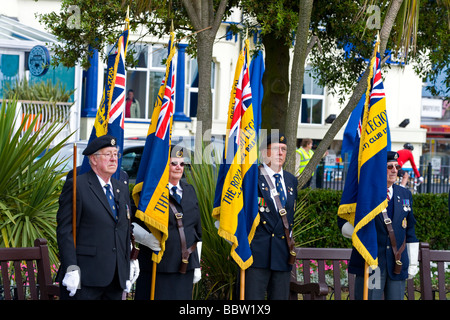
(298, 70)
(276, 83)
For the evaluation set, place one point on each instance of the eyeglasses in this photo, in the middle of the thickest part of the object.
(177, 163)
(391, 166)
(110, 155)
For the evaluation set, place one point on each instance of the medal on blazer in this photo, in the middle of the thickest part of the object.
(404, 223)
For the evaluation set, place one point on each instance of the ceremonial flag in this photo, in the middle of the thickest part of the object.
(364, 195)
(236, 197)
(151, 192)
(110, 115)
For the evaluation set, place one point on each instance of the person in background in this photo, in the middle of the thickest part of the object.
(404, 156)
(302, 157)
(132, 108)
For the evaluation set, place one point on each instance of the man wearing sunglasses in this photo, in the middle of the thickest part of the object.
(398, 246)
(179, 268)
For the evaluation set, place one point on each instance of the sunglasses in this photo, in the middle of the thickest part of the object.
(177, 163)
(391, 166)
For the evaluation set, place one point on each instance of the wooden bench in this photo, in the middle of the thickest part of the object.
(319, 290)
(25, 273)
(337, 258)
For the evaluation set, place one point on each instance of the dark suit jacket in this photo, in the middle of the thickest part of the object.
(171, 258)
(269, 246)
(103, 245)
(403, 224)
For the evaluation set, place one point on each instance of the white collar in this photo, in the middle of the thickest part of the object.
(270, 172)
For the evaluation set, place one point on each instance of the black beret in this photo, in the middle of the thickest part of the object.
(100, 143)
(176, 151)
(392, 156)
(276, 138)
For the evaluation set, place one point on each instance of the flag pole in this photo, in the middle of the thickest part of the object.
(74, 196)
(366, 281)
(242, 287)
(152, 289)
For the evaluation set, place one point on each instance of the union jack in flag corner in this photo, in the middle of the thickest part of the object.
(110, 116)
(236, 196)
(364, 194)
(151, 192)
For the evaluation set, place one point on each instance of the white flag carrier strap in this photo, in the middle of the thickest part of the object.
(282, 211)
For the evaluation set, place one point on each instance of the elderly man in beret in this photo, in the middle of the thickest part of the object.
(272, 245)
(97, 266)
(398, 247)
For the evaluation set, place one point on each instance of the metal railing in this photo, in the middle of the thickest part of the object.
(48, 113)
(333, 177)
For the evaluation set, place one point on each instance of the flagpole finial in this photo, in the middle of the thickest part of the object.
(171, 26)
(128, 14)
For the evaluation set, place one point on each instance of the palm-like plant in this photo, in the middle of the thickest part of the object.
(219, 271)
(30, 185)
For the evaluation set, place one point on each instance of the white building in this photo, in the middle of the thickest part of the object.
(403, 88)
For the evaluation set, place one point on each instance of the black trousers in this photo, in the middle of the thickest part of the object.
(168, 286)
(264, 283)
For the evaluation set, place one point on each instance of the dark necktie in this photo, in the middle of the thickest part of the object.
(175, 195)
(111, 201)
(280, 190)
(388, 197)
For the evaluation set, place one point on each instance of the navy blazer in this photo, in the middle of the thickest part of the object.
(403, 224)
(171, 259)
(103, 244)
(269, 246)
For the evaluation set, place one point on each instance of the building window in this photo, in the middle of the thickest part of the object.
(312, 100)
(146, 77)
(191, 86)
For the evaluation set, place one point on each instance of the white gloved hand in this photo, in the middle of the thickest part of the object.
(347, 230)
(144, 237)
(197, 275)
(134, 274)
(413, 255)
(421, 179)
(217, 224)
(71, 281)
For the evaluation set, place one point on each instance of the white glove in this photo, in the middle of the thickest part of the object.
(134, 274)
(347, 230)
(421, 179)
(144, 237)
(413, 255)
(71, 281)
(217, 224)
(197, 275)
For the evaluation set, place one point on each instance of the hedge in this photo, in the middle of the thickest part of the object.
(430, 211)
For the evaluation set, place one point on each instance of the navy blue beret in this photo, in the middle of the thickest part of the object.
(100, 143)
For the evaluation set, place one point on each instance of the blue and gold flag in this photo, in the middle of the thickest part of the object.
(364, 195)
(236, 197)
(151, 193)
(110, 115)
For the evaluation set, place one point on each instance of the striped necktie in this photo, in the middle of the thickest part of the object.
(111, 201)
(280, 190)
